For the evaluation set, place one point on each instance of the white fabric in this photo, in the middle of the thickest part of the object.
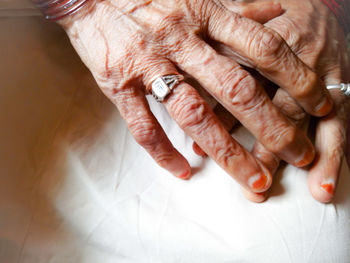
(75, 187)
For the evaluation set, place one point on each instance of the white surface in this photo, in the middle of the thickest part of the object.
(75, 187)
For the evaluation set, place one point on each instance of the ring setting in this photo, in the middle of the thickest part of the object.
(162, 86)
(344, 87)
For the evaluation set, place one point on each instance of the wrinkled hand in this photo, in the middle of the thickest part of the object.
(314, 35)
(126, 44)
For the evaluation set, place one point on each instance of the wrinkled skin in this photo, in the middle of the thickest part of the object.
(127, 44)
(314, 35)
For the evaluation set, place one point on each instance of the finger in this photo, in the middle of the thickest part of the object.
(197, 119)
(227, 120)
(225, 117)
(198, 150)
(296, 114)
(243, 97)
(147, 131)
(345, 76)
(269, 53)
(261, 11)
(255, 197)
(330, 141)
(269, 159)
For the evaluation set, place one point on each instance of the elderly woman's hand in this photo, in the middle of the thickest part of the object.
(313, 33)
(127, 44)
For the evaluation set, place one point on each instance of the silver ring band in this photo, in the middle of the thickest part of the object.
(344, 87)
(162, 86)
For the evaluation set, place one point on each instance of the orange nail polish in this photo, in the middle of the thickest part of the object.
(324, 107)
(185, 175)
(328, 186)
(305, 159)
(258, 182)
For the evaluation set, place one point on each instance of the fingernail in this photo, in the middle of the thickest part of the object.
(328, 186)
(198, 150)
(324, 107)
(185, 175)
(258, 182)
(305, 159)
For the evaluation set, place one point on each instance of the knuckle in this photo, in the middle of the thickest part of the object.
(124, 98)
(115, 69)
(266, 46)
(191, 112)
(145, 132)
(293, 111)
(228, 76)
(289, 31)
(168, 32)
(244, 94)
(106, 66)
(102, 75)
(115, 75)
(184, 52)
(306, 88)
(281, 137)
(290, 108)
(163, 157)
(225, 155)
(194, 115)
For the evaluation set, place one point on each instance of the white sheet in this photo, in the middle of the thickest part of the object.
(75, 187)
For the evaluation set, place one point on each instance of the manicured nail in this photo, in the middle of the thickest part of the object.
(324, 107)
(328, 186)
(305, 159)
(258, 182)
